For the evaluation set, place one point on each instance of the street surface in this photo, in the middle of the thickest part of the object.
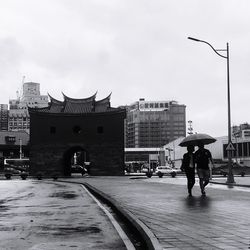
(49, 215)
(220, 220)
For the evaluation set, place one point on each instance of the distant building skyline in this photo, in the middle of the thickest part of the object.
(18, 117)
(154, 123)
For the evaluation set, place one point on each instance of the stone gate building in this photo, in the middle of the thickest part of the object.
(67, 127)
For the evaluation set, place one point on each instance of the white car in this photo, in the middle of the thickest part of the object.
(161, 170)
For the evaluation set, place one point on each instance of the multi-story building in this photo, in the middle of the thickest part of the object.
(151, 124)
(241, 131)
(3, 117)
(240, 140)
(19, 118)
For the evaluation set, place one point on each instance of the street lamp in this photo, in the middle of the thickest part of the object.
(230, 178)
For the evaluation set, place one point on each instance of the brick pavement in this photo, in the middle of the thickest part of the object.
(221, 220)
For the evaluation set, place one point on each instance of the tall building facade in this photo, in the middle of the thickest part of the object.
(152, 124)
(19, 118)
(3, 117)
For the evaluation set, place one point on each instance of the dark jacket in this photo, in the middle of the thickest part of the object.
(202, 157)
(186, 161)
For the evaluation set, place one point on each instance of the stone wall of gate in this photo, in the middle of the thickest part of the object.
(101, 135)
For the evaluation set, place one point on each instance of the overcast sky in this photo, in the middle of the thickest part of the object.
(134, 49)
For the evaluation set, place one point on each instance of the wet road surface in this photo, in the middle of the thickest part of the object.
(51, 215)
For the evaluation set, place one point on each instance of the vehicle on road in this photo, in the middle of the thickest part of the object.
(10, 169)
(17, 164)
(76, 168)
(166, 170)
(238, 169)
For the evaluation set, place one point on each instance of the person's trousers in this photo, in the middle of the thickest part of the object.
(190, 173)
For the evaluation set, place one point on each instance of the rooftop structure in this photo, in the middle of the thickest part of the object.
(78, 106)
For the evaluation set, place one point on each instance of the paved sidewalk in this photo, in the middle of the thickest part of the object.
(218, 221)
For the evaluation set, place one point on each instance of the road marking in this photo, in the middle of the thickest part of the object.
(118, 228)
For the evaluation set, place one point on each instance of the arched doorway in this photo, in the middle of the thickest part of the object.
(75, 158)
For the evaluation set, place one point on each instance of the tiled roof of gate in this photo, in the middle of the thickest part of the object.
(77, 106)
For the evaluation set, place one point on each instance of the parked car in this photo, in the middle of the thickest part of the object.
(11, 169)
(164, 170)
(76, 168)
(238, 169)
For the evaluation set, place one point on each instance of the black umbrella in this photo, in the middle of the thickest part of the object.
(195, 139)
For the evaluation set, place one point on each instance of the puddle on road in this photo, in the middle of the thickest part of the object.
(66, 230)
(64, 195)
(3, 208)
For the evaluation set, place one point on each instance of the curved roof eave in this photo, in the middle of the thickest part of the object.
(53, 100)
(66, 98)
(105, 99)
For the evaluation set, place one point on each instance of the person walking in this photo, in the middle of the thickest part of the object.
(202, 158)
(188, 166)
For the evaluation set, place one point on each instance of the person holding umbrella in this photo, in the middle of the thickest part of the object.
(202, 159)
(188, 166)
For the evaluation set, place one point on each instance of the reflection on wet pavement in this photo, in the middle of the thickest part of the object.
(202, 202)
(50, 215)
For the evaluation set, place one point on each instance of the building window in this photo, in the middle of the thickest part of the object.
(100, 130)
(52, 130)
(10, 138)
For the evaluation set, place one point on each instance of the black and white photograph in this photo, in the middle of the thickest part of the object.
(124, 125)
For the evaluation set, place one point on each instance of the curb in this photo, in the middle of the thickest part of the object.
(148, 237)
(230, 184)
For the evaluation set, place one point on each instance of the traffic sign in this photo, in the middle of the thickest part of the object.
(230, 147)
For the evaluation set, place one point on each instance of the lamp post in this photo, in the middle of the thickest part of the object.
(230, 178)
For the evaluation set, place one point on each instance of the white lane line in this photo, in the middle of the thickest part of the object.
(118, 228)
